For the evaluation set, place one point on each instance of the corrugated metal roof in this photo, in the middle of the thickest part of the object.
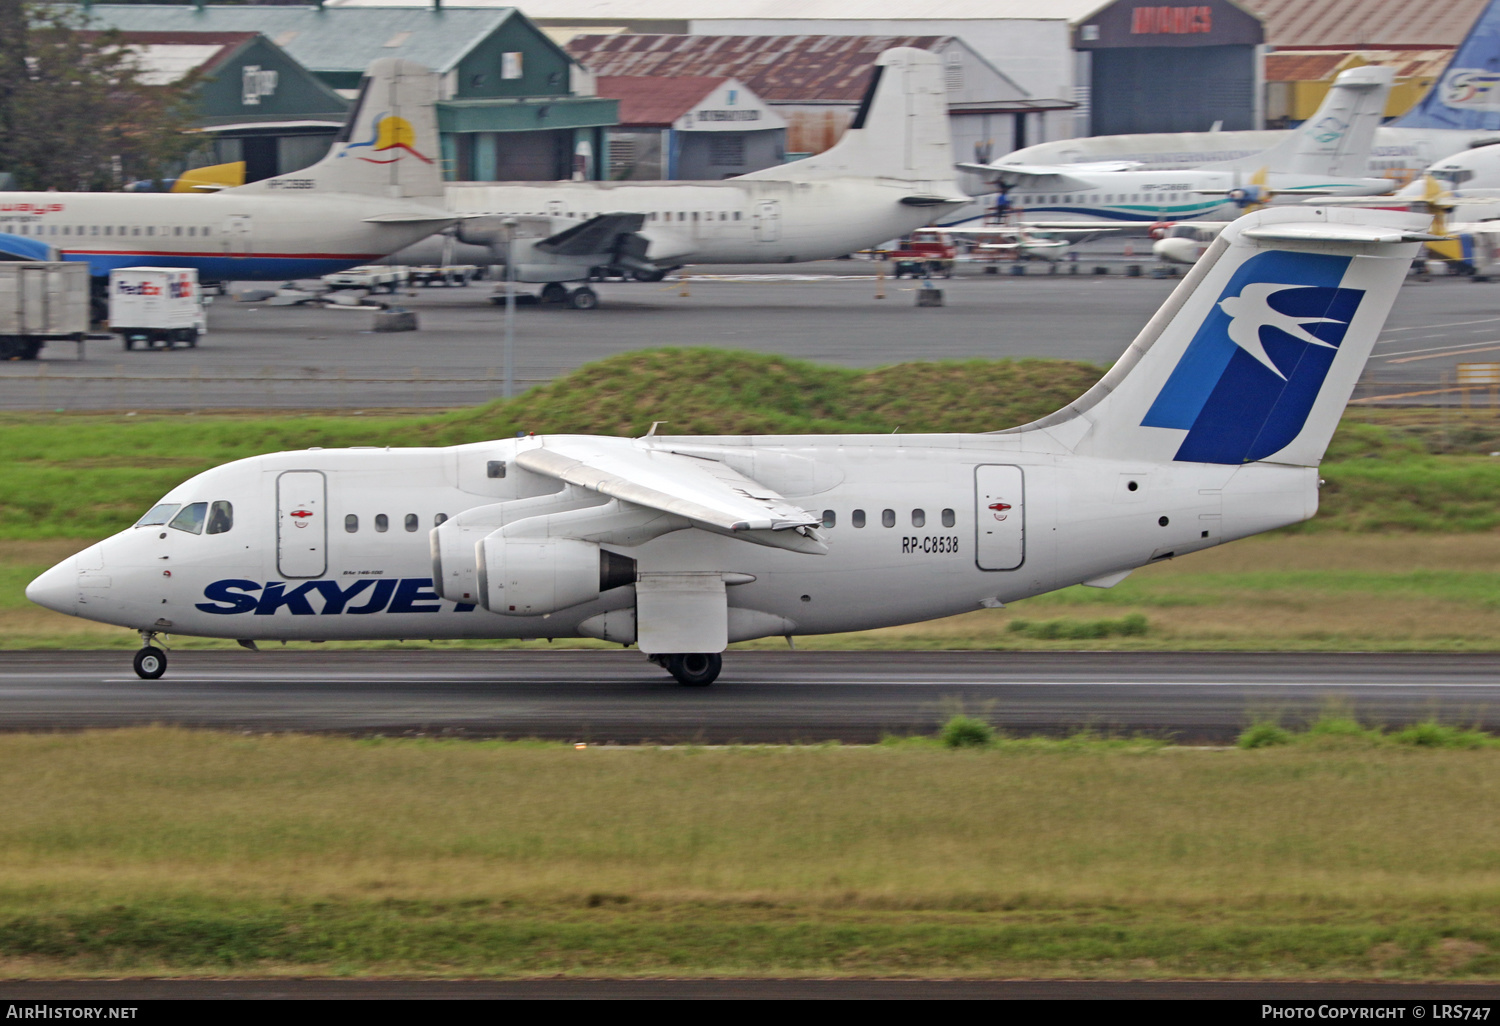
(607, 12)
(1315, 65)
(1357, 23)
(327, 39)
(779, 69)
(652, 101)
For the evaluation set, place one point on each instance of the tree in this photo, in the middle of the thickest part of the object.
(77, 111)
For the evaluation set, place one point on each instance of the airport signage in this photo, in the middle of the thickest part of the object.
(1130, 23)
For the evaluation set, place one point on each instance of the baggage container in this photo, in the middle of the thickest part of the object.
(41, 302)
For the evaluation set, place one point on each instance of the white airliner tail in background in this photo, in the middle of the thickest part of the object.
(900, 132)
(1336, 140)
(1254, 356)
(388, 147)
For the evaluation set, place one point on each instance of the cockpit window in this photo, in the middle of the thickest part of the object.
(1454, 176)
(158, 514)
(220, 517)
(191, 518)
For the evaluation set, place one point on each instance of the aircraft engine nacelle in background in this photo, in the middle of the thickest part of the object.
(536, 576)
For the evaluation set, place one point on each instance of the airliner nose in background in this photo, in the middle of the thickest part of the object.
(380, 188)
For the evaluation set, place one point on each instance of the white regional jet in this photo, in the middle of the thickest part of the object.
(1209, 428)
(891, 172)
(379, 188)
(1326, 156)
(1462, 109)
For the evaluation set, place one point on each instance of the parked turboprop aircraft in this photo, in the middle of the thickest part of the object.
(890, 173)
(1462, 109)
(1210, 427)
(1325, 157)
(379, 188)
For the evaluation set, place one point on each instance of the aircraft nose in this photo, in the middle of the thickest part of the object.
(57, 589)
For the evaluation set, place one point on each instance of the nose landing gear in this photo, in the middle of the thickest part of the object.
(150, 662)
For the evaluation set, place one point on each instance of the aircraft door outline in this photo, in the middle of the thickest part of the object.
(768, 220)
(238, 229)
(301, 523)
(999, 517)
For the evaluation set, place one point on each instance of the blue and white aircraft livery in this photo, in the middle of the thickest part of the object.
(1324, 157)
(1462, 109)
(1209, 428)
(379, 188)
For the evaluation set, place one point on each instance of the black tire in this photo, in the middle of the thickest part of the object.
(648, 276)
(127, 342)
(583, 299)
(695, 669)
(554, 292)
(150, 663)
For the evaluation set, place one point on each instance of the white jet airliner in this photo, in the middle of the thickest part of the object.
(1462, 109)
(379, 188)
(1326, 156)
(1209, 428)
(891, 172)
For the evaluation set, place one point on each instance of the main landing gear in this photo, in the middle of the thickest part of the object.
(695, 669)
(150, 661)
(581, 298)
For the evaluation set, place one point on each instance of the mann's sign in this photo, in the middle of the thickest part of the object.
(1177, 21)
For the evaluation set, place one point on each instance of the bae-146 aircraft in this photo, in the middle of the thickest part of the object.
(379, 188)
(1462, 109)
(891, 172)
(1209, 428)
(1325, 157)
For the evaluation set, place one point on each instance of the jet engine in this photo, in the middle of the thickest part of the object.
(536, 576)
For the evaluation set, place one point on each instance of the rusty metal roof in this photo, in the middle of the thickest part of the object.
(1316, 65)
(654, 102)
(779, 69)
(1412, 24)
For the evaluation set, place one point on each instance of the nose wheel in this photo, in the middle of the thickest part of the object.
(150, 662)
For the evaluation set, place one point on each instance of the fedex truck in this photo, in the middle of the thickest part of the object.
(155, 306)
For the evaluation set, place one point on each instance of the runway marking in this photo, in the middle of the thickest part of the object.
(902, 682)
(1452, 324)
(1438, 352)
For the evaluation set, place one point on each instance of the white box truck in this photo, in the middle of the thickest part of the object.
(41, 302)
(153, 306)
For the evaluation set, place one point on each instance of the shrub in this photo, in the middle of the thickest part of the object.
(1432, 734)
(1264, 734)
(966, 732)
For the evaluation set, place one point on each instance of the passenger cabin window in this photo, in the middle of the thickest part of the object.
(948, 520)
(919, 518)
(494, 468)
(190, 518)
(382, 523)
(829, 518)
(158, 514)
(439, 520)
(351, 522)
(857, 518)
(220, 517)
(412, 523)
(887, 518)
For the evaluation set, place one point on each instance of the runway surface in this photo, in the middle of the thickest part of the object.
(601, 696)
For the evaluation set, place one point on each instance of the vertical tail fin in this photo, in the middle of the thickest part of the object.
(900, 132)
(1337, 139)
(1255, 354)
(389, 145)
(1467, 96)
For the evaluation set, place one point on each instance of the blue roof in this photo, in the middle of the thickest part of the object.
(332, 39)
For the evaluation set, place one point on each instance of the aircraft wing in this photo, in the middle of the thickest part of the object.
(1061, 228)
(1032, 176)
(414, 217)
(596, 235)
(699, 489)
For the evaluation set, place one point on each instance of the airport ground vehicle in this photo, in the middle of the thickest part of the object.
(1210, 428)
(371, 277)
(156, 306)
(924, 254)
(428, 275)
(41, 301)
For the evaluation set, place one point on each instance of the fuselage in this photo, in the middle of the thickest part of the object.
(733, 221)
(227, 236)
(916, 527)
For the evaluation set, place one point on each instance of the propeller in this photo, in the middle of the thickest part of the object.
(1255, 195)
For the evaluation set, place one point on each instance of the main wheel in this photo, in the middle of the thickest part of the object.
(151, 663)
(695, 669)
(554, 292)
(657, 275)
(583, 299)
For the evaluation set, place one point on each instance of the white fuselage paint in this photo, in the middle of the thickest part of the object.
(1072, 519)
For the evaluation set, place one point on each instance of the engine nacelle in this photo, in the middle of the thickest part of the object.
(536, 576)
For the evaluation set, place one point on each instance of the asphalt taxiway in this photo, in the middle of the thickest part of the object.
(603, 696)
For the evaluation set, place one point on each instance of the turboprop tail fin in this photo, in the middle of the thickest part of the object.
(388, 147)
(900, 133)
(1254, 355)
(1337, 139)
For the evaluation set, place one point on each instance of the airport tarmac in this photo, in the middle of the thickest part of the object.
(266, 357)
(856, 697)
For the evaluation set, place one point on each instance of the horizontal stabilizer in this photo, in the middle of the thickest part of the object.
(1333, 232)
(700, 489)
